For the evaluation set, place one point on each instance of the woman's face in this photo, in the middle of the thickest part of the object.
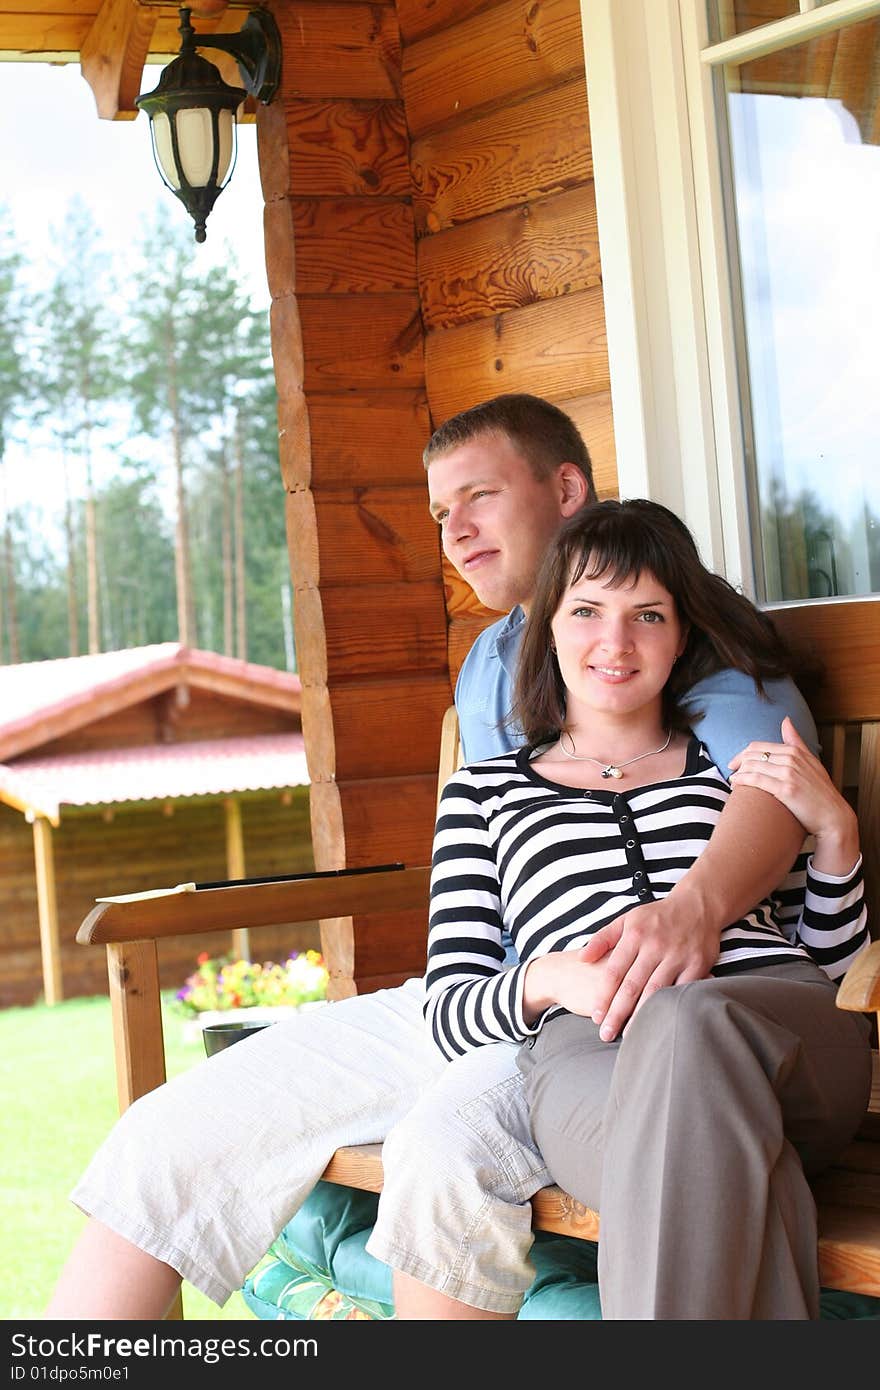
(616, 645)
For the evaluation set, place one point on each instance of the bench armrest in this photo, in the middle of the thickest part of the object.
(859, 989)
(306, 899)
(130, 930)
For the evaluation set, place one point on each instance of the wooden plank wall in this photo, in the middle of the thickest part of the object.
(430, 241)
(140, 848)
(353, 418)
(505, 213)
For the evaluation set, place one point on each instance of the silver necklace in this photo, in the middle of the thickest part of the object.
(608, 769)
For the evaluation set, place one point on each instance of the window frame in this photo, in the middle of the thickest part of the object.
(681, 416)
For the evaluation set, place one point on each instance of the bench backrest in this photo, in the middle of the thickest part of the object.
(843, 637)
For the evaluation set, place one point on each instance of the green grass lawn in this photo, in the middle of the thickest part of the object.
(59, 1100)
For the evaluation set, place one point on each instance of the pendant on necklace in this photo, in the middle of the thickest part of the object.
(611, 771)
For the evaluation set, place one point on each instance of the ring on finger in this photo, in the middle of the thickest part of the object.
(765, 757)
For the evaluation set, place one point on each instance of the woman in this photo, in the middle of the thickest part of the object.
(722, 1094)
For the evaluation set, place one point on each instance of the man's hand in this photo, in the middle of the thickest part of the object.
(676, 940)
(653, 945)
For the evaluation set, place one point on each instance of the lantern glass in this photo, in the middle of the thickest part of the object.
(195, 143)
(160, 129)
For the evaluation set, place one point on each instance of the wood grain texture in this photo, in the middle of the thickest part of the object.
(364, 535)
(555, 349)
(845, 636)
(355, 342)
(463, 632)
(280, 249)
(351, 439)
(273, 155)
(389, 817)
(529, 149)
(353, 245)
(538, 250)
(339, 49)
(136, 1014)
(287, 346)
(363, 437)
(861, 987)
(375, 629)
(385, 722)
(419, 17)
(593, 417)
(348, 148)
(254, 905)
(113, 55)
(489, 58)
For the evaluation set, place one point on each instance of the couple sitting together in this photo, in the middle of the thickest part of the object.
(645, 889)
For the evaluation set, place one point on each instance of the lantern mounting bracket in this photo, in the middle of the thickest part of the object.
(256, 48)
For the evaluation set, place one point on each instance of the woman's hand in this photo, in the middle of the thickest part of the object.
(562, 977)
(791, 773)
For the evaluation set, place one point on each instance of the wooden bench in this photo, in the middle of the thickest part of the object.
(844, 637)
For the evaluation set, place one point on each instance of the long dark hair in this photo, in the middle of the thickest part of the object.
(621, 540)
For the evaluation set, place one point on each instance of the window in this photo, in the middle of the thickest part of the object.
(798, 112)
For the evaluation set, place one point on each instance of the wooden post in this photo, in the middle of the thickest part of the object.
(235, 869)
(47, 906)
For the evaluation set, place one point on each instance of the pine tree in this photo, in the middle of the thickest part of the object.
(15, 389)
(79, 381)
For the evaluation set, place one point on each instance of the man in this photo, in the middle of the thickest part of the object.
(199, 1176)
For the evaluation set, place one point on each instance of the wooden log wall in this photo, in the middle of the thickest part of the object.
(140, 848)
(505, 213)
(430, 241)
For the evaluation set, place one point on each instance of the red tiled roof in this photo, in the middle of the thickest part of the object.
(40, 699)
(155, 772)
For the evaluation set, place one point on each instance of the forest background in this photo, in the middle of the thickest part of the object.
(137, 399)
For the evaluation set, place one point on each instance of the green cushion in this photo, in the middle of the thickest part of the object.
(319, 1268)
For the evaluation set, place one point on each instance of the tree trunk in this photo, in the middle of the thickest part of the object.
(241, 593)
(91, 551)
(92, 571)
(185, 624)
(70, 543)
(11, 599)
(228, 578)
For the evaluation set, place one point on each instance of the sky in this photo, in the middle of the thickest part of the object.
(53, 147)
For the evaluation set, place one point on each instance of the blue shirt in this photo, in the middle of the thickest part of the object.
(732, 711)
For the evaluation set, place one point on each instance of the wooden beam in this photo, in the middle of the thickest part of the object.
(235, 868)
(47, 907)
(113, 56)
(138, 1041)
(306, 899)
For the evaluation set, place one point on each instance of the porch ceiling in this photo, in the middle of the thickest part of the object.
(112, 40)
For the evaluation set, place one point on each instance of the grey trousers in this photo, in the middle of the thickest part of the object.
(694, 1135)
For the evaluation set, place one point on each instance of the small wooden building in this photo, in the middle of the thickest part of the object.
(129, 770)
(464, 197)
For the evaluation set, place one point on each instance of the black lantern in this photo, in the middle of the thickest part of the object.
(192, 110)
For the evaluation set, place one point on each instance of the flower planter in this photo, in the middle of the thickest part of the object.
(192, 1027)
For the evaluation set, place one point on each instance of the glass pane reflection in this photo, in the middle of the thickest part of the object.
(730, 17)
(804, 130)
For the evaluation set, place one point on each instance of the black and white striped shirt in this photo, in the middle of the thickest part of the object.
(552, 864)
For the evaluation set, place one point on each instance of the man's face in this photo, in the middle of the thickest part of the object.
(495, 516)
